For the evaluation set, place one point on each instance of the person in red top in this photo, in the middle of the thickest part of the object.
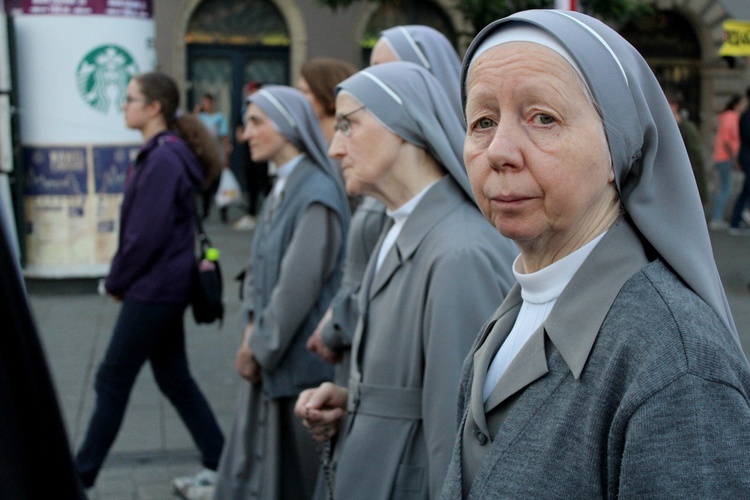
(726, 148)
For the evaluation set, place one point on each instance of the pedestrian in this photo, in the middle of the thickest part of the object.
(613, 368)
(294, 271)
(737, 225)
(152, 274)
(436, 275)
(216, 123)
(726, 148)
(692, 139)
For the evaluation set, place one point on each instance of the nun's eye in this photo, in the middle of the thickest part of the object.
(484, 123)
(544, 119)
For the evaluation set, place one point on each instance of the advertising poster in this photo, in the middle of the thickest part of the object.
(75, 146)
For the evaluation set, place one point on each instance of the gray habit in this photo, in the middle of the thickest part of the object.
(420, 313)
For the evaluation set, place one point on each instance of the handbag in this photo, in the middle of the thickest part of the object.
(229, 190)
(207, 294)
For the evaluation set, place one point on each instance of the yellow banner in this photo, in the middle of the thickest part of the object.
(737, 38)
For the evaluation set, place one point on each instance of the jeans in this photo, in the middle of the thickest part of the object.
(152, 332)
(722, 196)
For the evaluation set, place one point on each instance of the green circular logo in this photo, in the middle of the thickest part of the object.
(103, 76)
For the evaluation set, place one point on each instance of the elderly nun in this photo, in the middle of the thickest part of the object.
(437, 273)
(430, 49)
(297, 252)
(613, 368)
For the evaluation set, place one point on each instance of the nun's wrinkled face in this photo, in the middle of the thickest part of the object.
(535, 149)
(264, 141)
(366, 149)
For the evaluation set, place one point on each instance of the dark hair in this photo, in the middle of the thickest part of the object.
(732, 102)
(208, 95)
(159, 87)
(322, 74)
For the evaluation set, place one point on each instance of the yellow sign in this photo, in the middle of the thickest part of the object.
(737, 38)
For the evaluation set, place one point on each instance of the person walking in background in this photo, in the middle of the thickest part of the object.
(613, 369)
(294, 271)
(152, 274)
(726, 148)
(737, 225)
(692, 139)
(256, 173)
(435, 277)
(218, 127)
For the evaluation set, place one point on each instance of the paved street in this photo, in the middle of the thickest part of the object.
(153, 445)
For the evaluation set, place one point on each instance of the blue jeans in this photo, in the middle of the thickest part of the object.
(155, 333)
(725, 186)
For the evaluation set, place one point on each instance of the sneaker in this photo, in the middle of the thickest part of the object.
(739, 231)
(718, 225)
(204, 478)
(200, 493)
(746, 216)
(245, 223)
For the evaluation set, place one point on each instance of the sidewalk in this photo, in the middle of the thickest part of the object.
(153, 446)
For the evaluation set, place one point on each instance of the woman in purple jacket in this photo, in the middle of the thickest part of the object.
(152, 274)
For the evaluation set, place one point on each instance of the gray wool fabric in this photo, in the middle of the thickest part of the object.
(430, 49)
(412, 104)
(652, 168)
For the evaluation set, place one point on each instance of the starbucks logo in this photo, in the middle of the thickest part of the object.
(103, 77)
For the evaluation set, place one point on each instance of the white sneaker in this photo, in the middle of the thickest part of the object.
(718, 225)
(245, 223)
(203, 479)
(746, 216)
(200, 493)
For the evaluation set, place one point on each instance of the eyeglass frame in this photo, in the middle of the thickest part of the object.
(343, 124)
(130, 100)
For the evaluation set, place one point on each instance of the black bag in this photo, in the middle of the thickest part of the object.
(207, 295)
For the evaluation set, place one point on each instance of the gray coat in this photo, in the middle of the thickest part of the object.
(632, 388)
(419, 316)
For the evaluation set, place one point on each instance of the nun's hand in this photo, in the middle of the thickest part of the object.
(317, 344)
(245, 363)
(322, 410)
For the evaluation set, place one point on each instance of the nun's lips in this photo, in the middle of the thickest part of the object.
(510, 200)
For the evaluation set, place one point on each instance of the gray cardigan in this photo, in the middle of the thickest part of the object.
(632, 388)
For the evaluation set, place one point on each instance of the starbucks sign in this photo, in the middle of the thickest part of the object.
(102, 77)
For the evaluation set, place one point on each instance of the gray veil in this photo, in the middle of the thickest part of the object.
(295, 119)
(652, 169)
(412, 104)
(430, 49)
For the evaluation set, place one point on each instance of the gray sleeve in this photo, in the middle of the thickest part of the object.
(688, 440)
(309, 260)
(367, 224)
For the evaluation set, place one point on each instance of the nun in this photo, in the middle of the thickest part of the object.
(613, 368)
(436, 275)
(430, 49)
(294, 271)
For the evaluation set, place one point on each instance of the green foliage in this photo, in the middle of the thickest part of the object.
(482, 12)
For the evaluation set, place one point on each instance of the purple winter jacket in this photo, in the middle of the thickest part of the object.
(156, 254)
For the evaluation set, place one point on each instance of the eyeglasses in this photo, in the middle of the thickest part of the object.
(343, 124)
(131, 99)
